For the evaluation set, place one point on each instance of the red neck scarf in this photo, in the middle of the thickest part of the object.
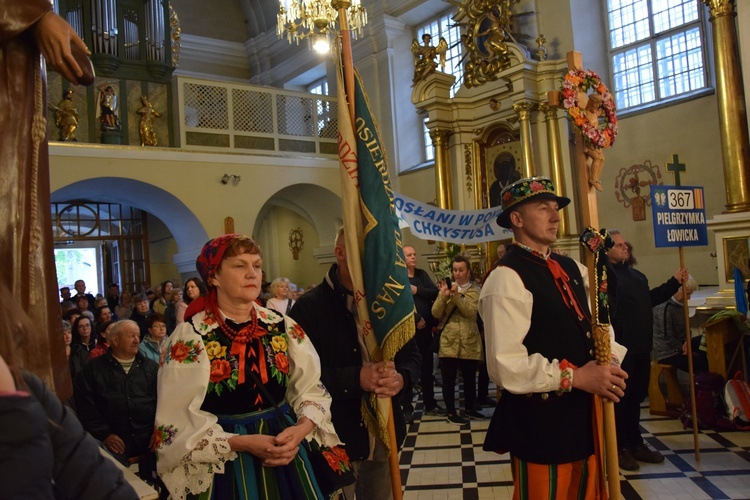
(562, 280)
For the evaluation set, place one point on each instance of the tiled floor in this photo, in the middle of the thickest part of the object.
(443, 461)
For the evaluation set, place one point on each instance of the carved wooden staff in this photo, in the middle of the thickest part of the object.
(587, 205)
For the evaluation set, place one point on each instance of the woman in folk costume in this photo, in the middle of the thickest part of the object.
(218, 434)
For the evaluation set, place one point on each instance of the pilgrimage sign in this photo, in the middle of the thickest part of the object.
(679, 216)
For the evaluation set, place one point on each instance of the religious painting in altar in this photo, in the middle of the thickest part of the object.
(500, 158)
(736, 254)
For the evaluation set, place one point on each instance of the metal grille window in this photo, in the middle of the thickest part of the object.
(446, 28)
(657, 49)
(120, 229)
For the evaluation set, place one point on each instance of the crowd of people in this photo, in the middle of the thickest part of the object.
(250, 372)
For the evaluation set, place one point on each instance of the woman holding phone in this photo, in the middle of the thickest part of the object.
(460, 342)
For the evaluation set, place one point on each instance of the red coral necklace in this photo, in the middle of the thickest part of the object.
(246, 334)
(240, 339)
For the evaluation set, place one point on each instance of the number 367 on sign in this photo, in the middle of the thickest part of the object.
(681, 199)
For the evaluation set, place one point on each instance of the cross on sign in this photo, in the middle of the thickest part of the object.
(676, 168)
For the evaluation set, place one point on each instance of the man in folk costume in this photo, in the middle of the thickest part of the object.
(540, 351)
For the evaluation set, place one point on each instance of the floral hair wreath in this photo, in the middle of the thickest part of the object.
(585, 80)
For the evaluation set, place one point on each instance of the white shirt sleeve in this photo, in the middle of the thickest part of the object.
(192, 446)
(505, 306)
(305, 392)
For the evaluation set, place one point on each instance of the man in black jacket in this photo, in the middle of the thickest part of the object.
(632, 319)
(326, 313)
(424, 292)
(115, 396)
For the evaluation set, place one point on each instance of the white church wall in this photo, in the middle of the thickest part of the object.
(689, 129)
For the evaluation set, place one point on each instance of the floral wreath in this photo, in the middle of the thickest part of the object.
(586, 80)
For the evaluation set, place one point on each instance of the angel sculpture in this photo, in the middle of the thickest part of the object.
(424, 57)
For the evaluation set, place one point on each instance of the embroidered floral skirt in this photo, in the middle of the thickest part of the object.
(246, 479)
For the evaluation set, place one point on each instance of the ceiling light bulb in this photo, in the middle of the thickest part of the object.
(321, 44)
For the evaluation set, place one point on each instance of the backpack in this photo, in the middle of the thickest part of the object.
(710, 408)
(737, 400)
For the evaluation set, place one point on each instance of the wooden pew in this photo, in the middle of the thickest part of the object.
(142, 489)
(726, 355)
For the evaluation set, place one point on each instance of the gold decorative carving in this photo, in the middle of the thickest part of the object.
(523, 110)
(439, 136)
(541, 51)
(425, 55)
(176, 33)
(720, 8)
(550, 113)
(468, 167)
(487, 31)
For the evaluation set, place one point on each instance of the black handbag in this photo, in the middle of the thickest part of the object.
(332, 468)
(436, 337)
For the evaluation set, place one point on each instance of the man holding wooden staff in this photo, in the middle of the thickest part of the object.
(540, 351)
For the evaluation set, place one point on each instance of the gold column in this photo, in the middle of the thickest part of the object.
(523, 110)
(554, 153)
(732, 112)
(443, 184)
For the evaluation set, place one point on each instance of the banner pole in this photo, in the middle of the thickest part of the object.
(348, 70)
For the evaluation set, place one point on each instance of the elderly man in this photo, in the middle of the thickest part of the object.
(632, 318)
(541, 352)
(115, 396)
(425, 292)
(326, 313)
